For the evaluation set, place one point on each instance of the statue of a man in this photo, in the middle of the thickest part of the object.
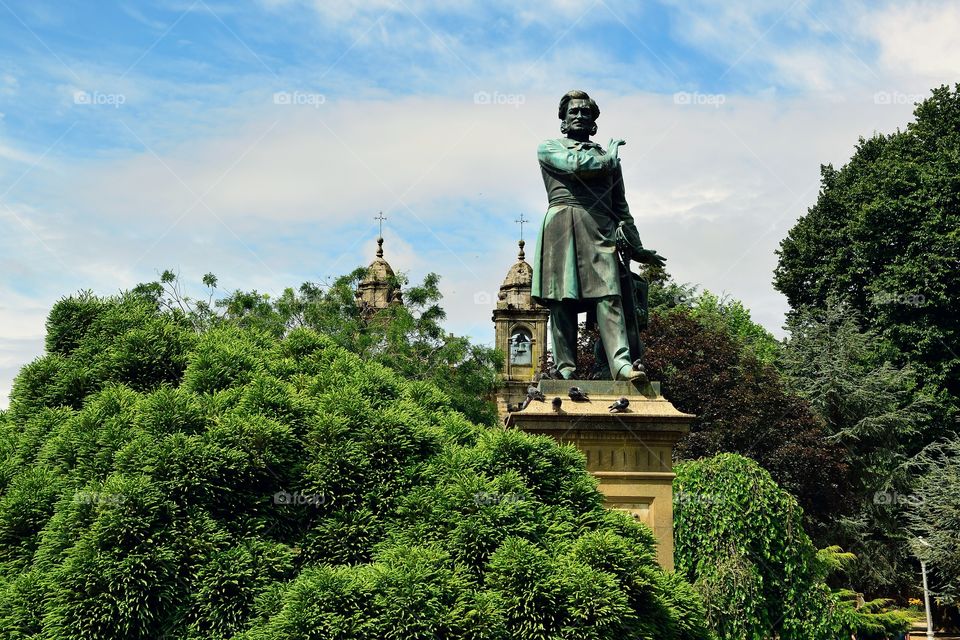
(576, 266)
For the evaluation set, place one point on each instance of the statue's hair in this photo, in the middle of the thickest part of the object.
(576, 94)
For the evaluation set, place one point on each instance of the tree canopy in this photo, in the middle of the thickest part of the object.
(166, 476)
(740, 541)
(884, 237)
(743, 406)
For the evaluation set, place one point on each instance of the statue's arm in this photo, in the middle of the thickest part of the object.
(622, 210)
(628, 227)
(558, 157)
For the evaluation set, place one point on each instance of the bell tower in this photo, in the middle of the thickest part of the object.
(379, 288)
(521, 330)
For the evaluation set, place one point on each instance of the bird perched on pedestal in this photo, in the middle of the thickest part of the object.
(619, 406)
(638, 366)
(534, 393)
(557, 403)
(578, 395)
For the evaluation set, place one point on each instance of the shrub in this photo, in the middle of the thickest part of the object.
(239, 484)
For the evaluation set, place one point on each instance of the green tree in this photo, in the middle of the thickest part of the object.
(740, 541)
(743, 406)
(884, 237)
(935, 516)
(409, 338)
(721, 313)
(871, 408)
(164, 478)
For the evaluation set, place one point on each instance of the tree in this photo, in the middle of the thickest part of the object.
(742, 406)
(162, 478)
(408, 338)
(935, 516)
(740, 541)
(872, 409)
(884, 237)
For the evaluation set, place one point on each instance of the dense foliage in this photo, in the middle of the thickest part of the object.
(872, 409)
(884, 237)
(935, 517)
(742, 406)
(882, 243)
(166, 474)
(740, 541)
(409, 338)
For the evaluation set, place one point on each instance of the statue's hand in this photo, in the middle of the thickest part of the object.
(649, 256)
(613, 147)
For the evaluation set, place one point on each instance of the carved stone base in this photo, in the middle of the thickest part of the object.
(630, 453)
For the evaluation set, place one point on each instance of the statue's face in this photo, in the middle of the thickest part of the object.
(579, 117)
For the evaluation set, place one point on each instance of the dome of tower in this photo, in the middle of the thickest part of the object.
(379, 287)
(515, 290)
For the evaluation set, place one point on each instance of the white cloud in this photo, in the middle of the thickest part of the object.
(919, 38)
(17, 155)
(703, 183)
(289, 193)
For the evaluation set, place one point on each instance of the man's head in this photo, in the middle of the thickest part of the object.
(578, 115)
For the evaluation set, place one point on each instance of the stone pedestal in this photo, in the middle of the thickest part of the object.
(630, 453)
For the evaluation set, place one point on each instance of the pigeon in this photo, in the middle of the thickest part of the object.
(523, 405)
(557, 403)
(578, 395)
(619, 406)
(639, 374)
(552, 373)
(533, 393)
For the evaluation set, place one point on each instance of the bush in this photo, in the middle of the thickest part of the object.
(741, 543)
(238, 484)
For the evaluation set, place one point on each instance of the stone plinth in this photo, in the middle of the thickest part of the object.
(630, 453)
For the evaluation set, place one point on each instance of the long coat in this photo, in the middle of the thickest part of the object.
(576, 257)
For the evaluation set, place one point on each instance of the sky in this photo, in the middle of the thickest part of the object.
(258, 140)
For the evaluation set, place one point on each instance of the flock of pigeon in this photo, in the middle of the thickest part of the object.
(576, 394)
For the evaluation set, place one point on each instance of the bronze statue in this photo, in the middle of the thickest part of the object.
(586, 242)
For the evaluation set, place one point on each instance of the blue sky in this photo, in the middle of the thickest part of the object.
(258, 140)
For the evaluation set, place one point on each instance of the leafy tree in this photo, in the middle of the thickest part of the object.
(740, 541)
(408, 338)
(871, 408)
(729, 314)
(164, 478)
(721, 313)
(884, 237)
(742, 406)
(935, 516)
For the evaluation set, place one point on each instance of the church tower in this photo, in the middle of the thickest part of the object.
(379, 288)
(521, 330)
